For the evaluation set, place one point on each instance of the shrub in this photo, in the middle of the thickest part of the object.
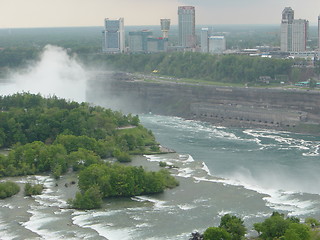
(8, 189)
(30, 189)
(216, 233)
(90, 199)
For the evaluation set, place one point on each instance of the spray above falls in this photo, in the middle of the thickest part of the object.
(56, 73)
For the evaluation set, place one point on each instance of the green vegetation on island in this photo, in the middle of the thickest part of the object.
(30, 190)
(100, 181)
(51, 135)
(8, 189)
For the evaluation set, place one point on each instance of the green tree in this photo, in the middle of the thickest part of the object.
(82, 158)
(234, 226)
(312, 222)
(297, 231)
(216, 233)
(90, 199)
(272, 227)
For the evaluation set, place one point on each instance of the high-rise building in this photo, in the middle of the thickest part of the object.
(187, 35)
(157, 44)
(294, 32)
(217, 44)
(165, 27)
(138, 41)
(204, 40)
(114, 38)
(299, 35)
(286, 29)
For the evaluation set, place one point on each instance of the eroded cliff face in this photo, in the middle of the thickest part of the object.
(272, 108)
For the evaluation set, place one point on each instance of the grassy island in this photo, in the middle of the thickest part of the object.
(52, 136)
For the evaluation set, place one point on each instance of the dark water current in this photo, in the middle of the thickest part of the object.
(249, 173)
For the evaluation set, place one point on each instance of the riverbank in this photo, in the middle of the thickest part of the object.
(301, 128)
(267, 108)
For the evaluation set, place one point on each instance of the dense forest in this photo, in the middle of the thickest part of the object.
(52, 135)
(217, 68)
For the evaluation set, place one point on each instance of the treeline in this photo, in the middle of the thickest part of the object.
(218, 68)
(51, 135)
(17, 57)
(25, 118)
(277, 226)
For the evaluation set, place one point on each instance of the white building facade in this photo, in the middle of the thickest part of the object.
(294, 32)
(204, 40)
(217, 44)
(299, 35)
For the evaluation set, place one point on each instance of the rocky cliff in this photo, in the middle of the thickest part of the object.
(272, 108)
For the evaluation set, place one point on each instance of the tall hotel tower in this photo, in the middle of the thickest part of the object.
(187, 34)
(294, 32)
(114, 38)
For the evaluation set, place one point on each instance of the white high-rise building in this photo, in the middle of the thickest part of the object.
(114, 38)
(286, 29)
(187, 32)
(299, 35)
(204, 40)
(217, 44)
(294, 32)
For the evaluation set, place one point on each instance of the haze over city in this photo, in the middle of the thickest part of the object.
(58, 13)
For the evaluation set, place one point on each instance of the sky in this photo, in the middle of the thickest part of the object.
(69, 13)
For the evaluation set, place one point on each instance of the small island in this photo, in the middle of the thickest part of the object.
(54, 136)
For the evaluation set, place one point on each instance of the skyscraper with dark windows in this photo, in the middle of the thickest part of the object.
(187, 35)
(114, 38)
(294, 32)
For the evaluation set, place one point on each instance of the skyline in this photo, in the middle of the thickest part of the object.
(74, 13)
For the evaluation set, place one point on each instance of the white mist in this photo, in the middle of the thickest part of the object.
(56, 73)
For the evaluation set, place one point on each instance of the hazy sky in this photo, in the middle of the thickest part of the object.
(58, 13)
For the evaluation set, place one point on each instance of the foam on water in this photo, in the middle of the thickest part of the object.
(205, 168)
(89, 219)
(4, 233)
(186, 206)
(276, 199)
(282, 141)
(158, 204)
(36, 223)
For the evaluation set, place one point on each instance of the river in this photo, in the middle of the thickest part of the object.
(246, 172)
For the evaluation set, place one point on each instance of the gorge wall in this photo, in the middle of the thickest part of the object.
(229, 106)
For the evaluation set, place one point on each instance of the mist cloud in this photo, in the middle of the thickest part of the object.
(56, 73)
